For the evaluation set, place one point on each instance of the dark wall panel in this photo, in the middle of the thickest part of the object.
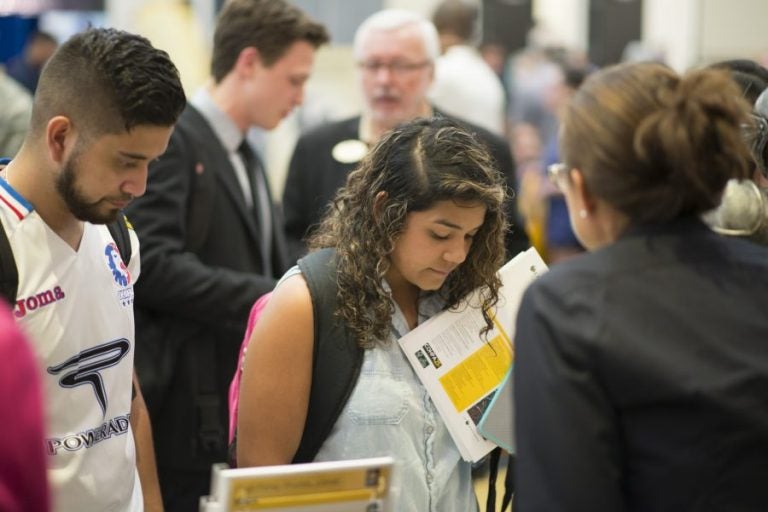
(613, 24)
(506, 22)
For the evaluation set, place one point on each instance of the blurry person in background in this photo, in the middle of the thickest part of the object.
(641, 367)
(544, 210)
(527, 152)
(23, 482)
(465, 86)
(212, 239)
(14, 116)
(26, 67)
(751, 77)
(743, 210)
(560, 240)
(395, 51)
(495, 55)
(643, 51)
(533, 72)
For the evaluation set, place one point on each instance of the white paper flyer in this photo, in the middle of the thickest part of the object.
(462, 370)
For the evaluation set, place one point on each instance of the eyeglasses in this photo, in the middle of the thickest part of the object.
(396, 67)
(556, 173)
(756, 135)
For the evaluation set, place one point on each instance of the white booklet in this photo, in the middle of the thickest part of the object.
(461, 369)
(360, 485)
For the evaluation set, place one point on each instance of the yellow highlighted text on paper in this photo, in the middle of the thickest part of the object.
(478, 374)
(296, 490)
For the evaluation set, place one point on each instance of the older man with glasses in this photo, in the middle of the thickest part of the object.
(395, 52)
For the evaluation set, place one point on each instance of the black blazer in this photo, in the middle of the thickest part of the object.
(195, 289)
(314, 176)
(641, 377)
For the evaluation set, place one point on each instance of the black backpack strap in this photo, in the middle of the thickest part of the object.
(9, 275)
(337, 357)
(119, 231)
(211, 432)
(490, 503)
(509, 483)
(509, 479)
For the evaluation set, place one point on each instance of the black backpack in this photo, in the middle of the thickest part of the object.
(337, 359)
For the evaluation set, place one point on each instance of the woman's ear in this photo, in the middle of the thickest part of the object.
(378, 204)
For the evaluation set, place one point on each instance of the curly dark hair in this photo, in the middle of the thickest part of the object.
(417, 165)
(108, 81)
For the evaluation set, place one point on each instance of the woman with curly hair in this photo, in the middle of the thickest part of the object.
(419, 225)
(641, 368)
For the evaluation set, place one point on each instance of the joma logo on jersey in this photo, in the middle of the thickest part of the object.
(33, 302)
(86, 366)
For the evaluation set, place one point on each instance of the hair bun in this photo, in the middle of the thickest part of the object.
(713, 95)
(692, 140)
(656, 145)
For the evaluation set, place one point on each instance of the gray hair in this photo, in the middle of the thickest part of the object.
(394, 19)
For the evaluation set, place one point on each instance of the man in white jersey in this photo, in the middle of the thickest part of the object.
(105, 107)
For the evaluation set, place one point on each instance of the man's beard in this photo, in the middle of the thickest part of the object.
(93, 212)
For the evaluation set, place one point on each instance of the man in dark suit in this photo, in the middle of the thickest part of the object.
(395, 51)
(211, 242)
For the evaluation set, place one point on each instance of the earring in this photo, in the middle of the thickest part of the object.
(583, 213)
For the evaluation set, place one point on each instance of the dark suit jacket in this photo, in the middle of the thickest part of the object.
(641, 377)
(195, 289)
(314, 176)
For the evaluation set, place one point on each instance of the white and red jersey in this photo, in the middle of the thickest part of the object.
(77, 309)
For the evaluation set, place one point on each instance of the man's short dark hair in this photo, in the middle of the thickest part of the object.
(108, 81)
(455, 17)
(751, 77)
(270, 26)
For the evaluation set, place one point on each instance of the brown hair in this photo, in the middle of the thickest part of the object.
(656, 145)
(270, 26)
(417, 164)
(455, 17)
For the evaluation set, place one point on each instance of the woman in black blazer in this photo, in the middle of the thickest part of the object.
(641, 372)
